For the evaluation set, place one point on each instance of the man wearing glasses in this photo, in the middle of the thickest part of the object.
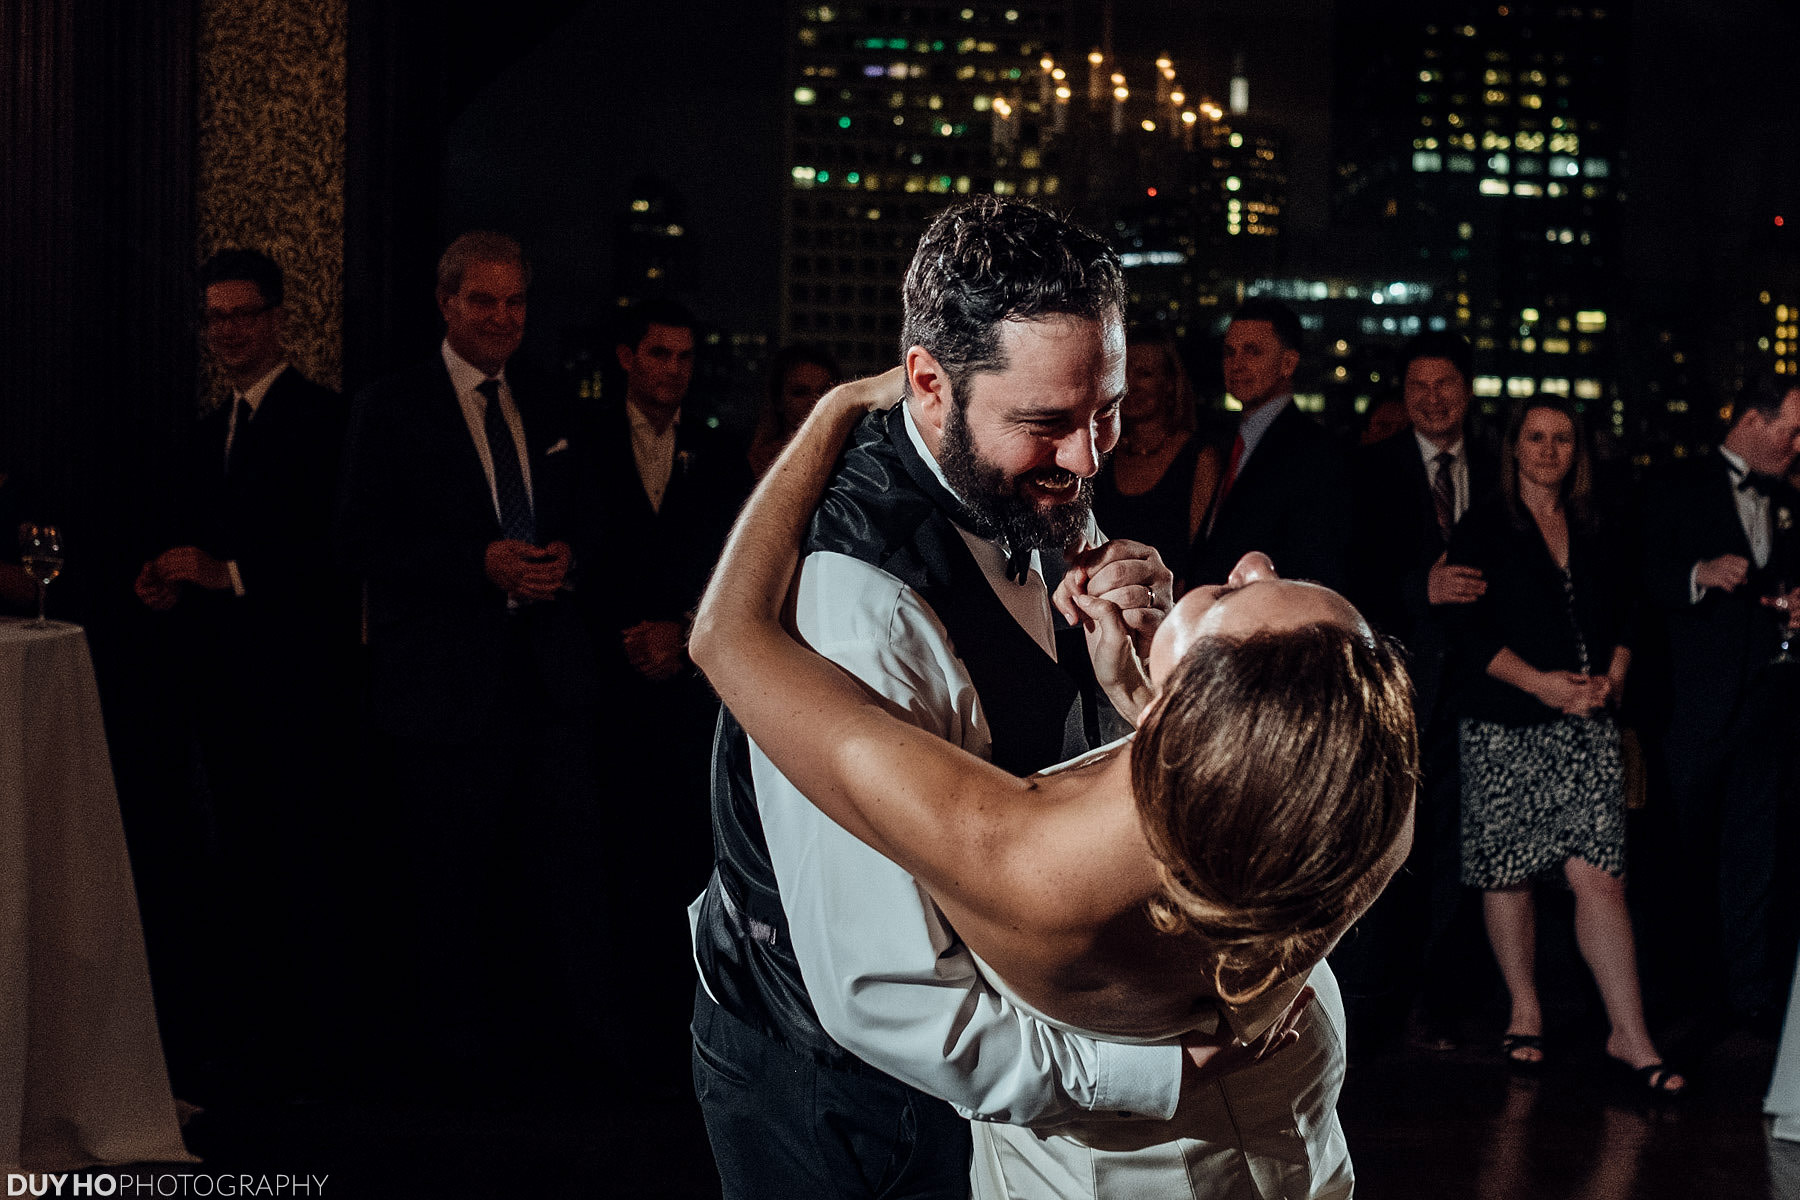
(262, 632)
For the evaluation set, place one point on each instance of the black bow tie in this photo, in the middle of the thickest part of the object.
(1018, 566)
(1756, 481)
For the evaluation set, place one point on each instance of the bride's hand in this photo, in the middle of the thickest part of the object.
(872, 394)
(1111, 646)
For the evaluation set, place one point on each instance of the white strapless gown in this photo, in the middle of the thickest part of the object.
(1269, 1132)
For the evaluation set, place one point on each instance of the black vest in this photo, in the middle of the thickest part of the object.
(886, 508)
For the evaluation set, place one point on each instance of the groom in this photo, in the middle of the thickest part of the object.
(835, 1002)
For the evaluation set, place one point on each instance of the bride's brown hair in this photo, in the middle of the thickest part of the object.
(1273, 779)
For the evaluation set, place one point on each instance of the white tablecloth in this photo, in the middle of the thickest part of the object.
(82, 1078)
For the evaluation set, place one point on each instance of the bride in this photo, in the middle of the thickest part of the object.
(1189, 877)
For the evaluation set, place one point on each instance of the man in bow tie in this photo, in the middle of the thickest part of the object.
(456, 513)
(835, 1002)
(1721, 554)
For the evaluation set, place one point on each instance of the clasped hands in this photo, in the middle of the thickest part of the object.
(526, 572)
(1576, 694)
(1119, 593)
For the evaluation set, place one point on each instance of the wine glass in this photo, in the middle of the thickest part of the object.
(41, 554)
(1779, 602)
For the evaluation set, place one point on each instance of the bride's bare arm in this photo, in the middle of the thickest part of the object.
(957, 823)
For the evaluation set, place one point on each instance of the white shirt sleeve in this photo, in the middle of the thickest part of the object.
(889, 979)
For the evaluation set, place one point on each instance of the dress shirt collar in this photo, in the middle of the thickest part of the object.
(918, 441)
(464, 375)
(253, 395)
(1429, 450)
(1253, 425)
(1740, 470)
(643, 430)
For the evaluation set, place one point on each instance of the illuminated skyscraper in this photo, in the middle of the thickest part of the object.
(892, 112)
(1483, 141)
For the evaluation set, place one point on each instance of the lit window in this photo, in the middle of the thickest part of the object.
(1423, 160)
(1487, 385)
(1233, 183)
(1587, 389)
(1499, 164)
(1554, 387)
(1590, 321)
(1597, 168)
(1237, 141)
(1531, 100)
(1494, 187)
(804, 95)
(1465, 231)
(1527, 189)
(1463, 163)
(1518, 387)
(1556, 346)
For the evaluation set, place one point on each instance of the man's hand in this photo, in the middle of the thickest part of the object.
(1215, 1055)
(1449, 584)
(156, 594)
(1127, 574)
(655, 649)
(190, 564)
(1726, 572)
(1788, 604)
(524, 571)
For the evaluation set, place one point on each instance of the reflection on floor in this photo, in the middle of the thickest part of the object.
(1421, 1124)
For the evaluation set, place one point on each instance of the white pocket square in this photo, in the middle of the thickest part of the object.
(561, 445)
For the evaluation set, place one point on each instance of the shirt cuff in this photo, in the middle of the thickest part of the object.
(237, 580)
(1138, 1081)
(1695, 591)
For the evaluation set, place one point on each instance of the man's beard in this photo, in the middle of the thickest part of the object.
(993, 497)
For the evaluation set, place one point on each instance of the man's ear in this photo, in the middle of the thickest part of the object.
(627, 356)
(1290, 362)
(929, 392)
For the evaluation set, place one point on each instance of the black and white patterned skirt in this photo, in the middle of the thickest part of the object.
(1534, 796)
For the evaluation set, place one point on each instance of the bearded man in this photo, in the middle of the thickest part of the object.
(835, 1001)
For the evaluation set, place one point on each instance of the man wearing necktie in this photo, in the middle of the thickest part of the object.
(455, 512)
(264, 629)
(1720, 547)
(1410, 490)
(1285, 489)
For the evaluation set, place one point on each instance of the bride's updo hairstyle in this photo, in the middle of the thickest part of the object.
(1273, 779)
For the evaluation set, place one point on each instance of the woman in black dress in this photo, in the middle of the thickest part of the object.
(1542, 784)
(1157, 483)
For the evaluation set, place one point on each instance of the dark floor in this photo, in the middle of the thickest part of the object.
(1420, 1124)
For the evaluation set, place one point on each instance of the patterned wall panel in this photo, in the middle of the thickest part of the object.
(271, 156)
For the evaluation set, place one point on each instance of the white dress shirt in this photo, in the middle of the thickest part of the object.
(253, 396)
(465, 378)
(654, 450)
(1753, 515)
(887, 975)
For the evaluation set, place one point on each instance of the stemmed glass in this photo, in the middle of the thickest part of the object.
(41, 554)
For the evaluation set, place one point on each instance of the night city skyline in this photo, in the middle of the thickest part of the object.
(552, 146)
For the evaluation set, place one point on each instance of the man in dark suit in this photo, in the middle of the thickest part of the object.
(662, 489)
(1285, 489)
(263, 631)
(1720, 541)
(1410, 490)
(455, 512)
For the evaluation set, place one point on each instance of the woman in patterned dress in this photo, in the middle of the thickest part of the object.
(1542, 784)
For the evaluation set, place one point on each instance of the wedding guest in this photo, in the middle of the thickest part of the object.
(798, 376)
(1542, 784)
(1284, 485)
(264, 627)
(1160, 478)
(457, 512)
(1720, 543)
